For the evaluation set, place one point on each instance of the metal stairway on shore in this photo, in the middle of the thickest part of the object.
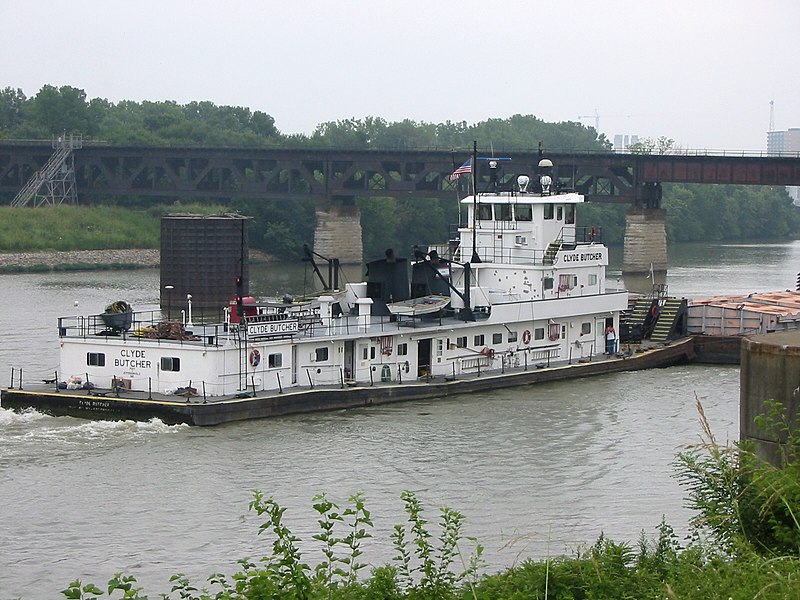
(55, 181)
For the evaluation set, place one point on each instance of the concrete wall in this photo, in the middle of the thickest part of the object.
(645, 241)
(770, 370)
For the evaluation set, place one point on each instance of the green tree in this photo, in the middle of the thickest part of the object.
(12, 109)
(58, 110)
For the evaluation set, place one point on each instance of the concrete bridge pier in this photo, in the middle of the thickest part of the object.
(645, 248)
(338, 232)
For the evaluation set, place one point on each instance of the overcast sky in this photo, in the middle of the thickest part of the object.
(702, 72)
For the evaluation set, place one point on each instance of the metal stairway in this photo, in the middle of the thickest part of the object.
(635, 322)
(55, 181)
(669, 319)
(550, 254)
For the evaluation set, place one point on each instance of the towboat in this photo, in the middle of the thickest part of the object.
(519, 287)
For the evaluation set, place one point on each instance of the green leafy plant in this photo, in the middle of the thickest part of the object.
(425, 570)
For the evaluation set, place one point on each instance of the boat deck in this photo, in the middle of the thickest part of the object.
(194, 409)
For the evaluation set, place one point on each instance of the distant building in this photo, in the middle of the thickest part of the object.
(622, 142)
(779, 142)
(785, 142)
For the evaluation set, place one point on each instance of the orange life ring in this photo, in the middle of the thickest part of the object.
(526, 336)
(255, 357)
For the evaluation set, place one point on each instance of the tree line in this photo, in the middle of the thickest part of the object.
(694, 212)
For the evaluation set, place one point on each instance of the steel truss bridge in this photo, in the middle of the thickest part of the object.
(331, 174)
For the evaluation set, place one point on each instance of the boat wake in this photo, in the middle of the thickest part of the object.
(29, 426)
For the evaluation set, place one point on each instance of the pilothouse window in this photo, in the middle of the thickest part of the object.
(569, 216)
(484, 212)
(523, 212)
(548, 211)
(502, 212)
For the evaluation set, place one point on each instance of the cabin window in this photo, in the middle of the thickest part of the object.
(502, 212)
(402, 349)
(548, 283)
(478, 340)
(439, 346)
(592, 279)
(484, 212)
(275, 360)
(559, 213)
(523, 212)
(368, 353)
(548, 211)
(567, 282)
(512, 336)
(554, 332)
(497, 338)
(569, 217)
(563, 332)
(461, 342)
(586, 328)
(95, 359)
(321, 354)
(170, 363)
(538, 333)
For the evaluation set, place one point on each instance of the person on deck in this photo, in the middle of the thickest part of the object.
(611, 340)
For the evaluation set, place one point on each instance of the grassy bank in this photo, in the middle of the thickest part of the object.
(64, 228)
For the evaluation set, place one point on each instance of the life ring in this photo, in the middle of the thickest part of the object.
(526, 337)
(255, 357)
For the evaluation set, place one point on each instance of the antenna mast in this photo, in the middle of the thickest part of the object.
(772, 115)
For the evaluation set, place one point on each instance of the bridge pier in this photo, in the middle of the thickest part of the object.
(338, 232)
(645, 248)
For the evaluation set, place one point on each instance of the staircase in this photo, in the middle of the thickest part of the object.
(55, 181)
(550, 252)
(669, 317)
(634, 322)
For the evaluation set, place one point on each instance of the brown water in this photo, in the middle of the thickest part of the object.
(537, 470)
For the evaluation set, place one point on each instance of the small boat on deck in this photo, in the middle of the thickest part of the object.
(416, 307)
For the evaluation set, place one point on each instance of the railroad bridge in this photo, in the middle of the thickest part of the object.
(335, 177)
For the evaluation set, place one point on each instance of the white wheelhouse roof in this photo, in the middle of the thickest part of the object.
(570, 198)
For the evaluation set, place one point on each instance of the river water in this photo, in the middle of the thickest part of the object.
(537, 471)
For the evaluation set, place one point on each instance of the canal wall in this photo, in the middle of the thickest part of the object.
(770, 371)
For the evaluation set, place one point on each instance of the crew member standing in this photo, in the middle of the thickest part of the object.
(611, 340)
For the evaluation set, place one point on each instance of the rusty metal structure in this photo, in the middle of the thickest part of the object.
(331, 174)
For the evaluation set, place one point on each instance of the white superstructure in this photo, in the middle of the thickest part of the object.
(525, 286)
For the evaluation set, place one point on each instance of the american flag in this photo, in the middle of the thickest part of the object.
(465, 168)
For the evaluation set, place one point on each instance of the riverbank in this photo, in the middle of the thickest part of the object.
(90, 260)
(79, 260)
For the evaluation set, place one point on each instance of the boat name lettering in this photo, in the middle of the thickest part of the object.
(134, 359)
(271, 328)
(95, 405)
(583, 257)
